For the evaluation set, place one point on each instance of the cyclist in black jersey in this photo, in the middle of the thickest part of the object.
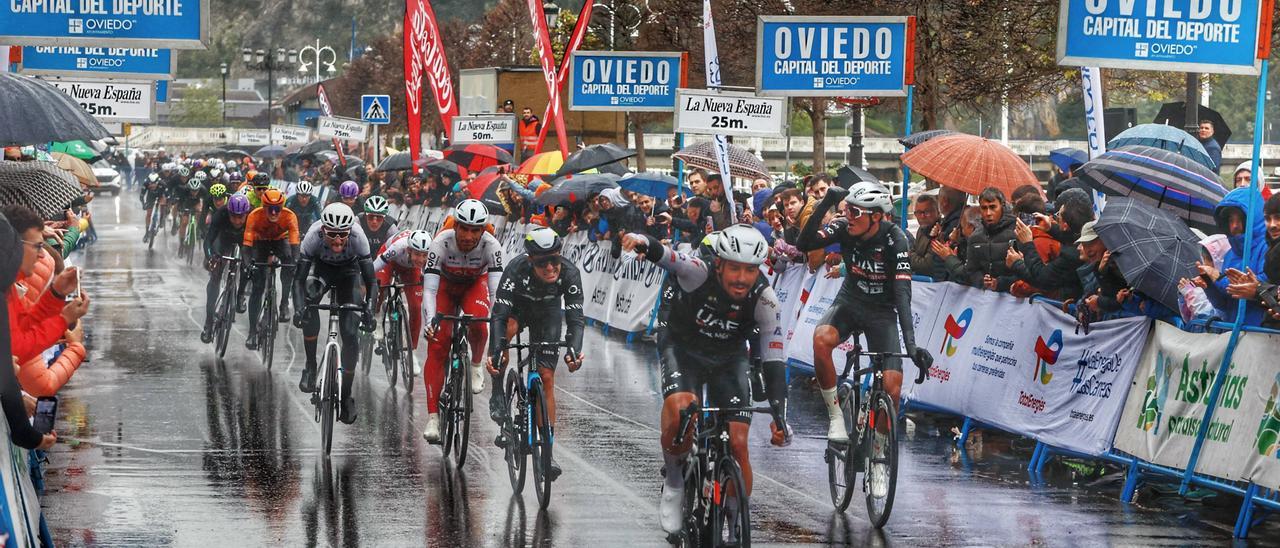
(529, 295)
(153, 193)
(874, 299)
(375, 224)
(226, 231)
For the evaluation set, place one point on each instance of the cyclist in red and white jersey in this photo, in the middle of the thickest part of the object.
(404, 256)
(464, 266)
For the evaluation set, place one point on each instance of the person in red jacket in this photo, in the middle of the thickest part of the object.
(21, 433)
(38, 327)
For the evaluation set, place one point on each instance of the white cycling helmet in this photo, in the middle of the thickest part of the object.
(870, 196)
(154, 177)
(199, 176)
(471, 212)
(376, 205)
(337, 217)
(184, 171)
(305, 188)
(742, 243)
(419, 240)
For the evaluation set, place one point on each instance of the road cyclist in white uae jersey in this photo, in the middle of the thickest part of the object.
(464, 265)
(717, 310)
(404, 256)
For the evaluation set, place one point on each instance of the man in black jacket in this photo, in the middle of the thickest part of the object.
(985, 263)
(1074, 210)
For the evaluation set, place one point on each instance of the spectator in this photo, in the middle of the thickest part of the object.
(12, 256)
(529, 127)
(1231, 218)
(951, 203)
(1243, 176)
(1267, 293)
(762, 201)
(717, 202)
(792, 202)
(988, 245)
(35, 376)
(760, 183)
(952, 251)
(1210, 144)
(697, 180)
(1057, 275)
(509, 106)
(657, 218)
(37, 328)
(617, 216)
(695, 221)
(923, 262)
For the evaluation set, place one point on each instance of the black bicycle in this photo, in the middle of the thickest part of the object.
(154, 224)
(527, 430)
(328, 395)
(397, 338)
(267, 317)
(224, 309)
(455, 398)
(713, 481)
(871, 417)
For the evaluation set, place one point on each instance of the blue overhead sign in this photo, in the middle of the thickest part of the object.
(173, 24)
(806, 56)
(157, 64)
(1218, 36)
(635, 81)
(162, 91)
(375, 109)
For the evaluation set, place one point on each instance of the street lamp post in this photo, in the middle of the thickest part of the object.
(552, 13)
(260, 60)
(222, 69)
(317, 52)
(612, 8)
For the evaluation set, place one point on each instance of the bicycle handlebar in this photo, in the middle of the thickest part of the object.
(463, 319)
(534, 345)
(687, 414)
(338, 307)
(273, 264)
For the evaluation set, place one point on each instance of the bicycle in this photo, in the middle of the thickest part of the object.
(397, 342)
(224, 310)
(267, 316)
(711, 475)
(455, 398)
(527, 430)
(187, 245)
(863, 413)
(328, 395)
(153, 226)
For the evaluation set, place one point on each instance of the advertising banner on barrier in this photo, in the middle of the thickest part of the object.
(708, 112)
(112, 100)
(288, 135)
(633, 81)
(177, 24)
(597, 277)
(637, 284)
(1200, 36)
(789, 285)
(830, 56)
(137, 63)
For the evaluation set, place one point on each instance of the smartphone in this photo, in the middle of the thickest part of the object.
(75, 294)
(1028, 219)
(46, 412)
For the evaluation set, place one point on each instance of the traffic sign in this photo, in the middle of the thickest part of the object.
(375, 109)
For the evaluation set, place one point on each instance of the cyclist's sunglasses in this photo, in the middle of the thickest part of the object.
(261, 188)
(542, 262)
(336, 235)
(853, 212)
(273, 210)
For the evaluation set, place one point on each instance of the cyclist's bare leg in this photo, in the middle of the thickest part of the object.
(549, 392)
(671, 407)
(825, 340)
(738, 446)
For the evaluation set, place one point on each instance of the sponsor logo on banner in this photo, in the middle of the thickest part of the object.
(1267, 440)
(1153, 401)
(1046, 355)
(955, 328)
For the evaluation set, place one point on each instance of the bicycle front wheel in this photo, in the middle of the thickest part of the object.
(881, 448)
(540, 443)
(514, 429)
(267, 323)
(390, 347)
(328, 399)
(222, 318)
(731, 510)
(462, 408)
(404, 346)
(840, 473)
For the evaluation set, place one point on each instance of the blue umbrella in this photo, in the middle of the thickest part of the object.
(649, 184)
(1161, 178)
(1066, 158)
(1163, 137)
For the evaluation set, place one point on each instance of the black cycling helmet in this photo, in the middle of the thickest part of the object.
(261, 179)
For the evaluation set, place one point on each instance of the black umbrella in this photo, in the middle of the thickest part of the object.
(1175, 114)
(270, 151)
(846, 176)
(918, 138)
(33, 111)
(236, 153)
(572, 188)
(597, 156)
(1153, 248)
(315, 146)
(41, 186)
(400, 162)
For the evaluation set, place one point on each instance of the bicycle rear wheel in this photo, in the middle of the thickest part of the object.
(267, 324)
(328, 399)
(730, 507)
(540, 443)
(840, 475)
(882, 460)
(404, 346)
(514, 430)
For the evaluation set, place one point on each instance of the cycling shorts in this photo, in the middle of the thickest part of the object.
(725, 377)
(544, 326)
(879, 325)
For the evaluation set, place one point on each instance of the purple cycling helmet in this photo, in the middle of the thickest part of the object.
(349, 189)
(237, 204)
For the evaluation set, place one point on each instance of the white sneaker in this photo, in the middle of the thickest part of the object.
(477, 378)
(432, 433)
(836, 432)
(671, 509)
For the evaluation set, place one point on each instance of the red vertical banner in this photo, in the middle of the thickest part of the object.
(575, 40)
(543, 39)
(327, 110)
(413, 75)
(424, 52)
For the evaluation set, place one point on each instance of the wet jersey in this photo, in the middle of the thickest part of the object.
(394, 252)
(876, 269)
(316, 249)
(222, 235)
(522, 294)
(377, 237)
(446, 261)
(260, 227)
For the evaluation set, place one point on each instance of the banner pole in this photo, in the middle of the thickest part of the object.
(906, 171)
(1254, 196)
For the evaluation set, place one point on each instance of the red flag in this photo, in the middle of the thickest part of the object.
(543, 39)
(424, 51)
(323, 99)
(575, 40)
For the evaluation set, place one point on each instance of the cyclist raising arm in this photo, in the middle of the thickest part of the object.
(716, 311)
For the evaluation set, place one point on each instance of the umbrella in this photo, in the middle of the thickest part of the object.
(445, 168)
(1153, 248)
(41, 186)
(742, 163)
(649, 184)
(1068, 158)
(546, 163)
(76, 167)
(597, 156)
(571, 188)
(33, 111)
(1162, 178)
(78, 149)
(1175, 114)
(270, 151)
(1165, 137)
(918, 138)
(235, 153)
(315, 146)
(485, 188)
(846, 176)
(969, 163)
(399, 162)
(476, 157)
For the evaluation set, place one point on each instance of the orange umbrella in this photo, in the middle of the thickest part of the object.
(969, 163)
(76, 167)
(547, 163)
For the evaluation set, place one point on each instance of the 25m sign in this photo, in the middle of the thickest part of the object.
(112, 101)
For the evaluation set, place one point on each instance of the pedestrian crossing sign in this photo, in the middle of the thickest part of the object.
(375, 109)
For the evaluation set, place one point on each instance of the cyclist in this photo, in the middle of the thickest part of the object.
(226, 231)
(260, 182)
(340, 257)
(190, 200)
(213, 200)
(875, 298)
(716, 310)
(404, 256)
(304, 206)
(271, 230)
(464, 264)
(374, 222)
(529, 295)
(174, 188)
(153, 193)
(347, 193)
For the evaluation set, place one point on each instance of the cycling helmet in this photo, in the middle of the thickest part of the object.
(870, 196)
(199, 176)
(197, 164)
(183, 171)
(471, 212)
(194, 184)
(218, 190)
(261, 179)
(419, 240)
(376, 205)
(153, 178)
(542, 241)
(232, 163)
(337, 217)
(272, 197)
(349, 189)
(236, 178)
(215, 172)
(167, 166)
(742, 243)
(238, 204)
(304, 188)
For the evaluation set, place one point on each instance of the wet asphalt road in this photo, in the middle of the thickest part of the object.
(161, 444)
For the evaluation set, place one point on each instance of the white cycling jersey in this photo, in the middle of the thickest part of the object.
(445, 260)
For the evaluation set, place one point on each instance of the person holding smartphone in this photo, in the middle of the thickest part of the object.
(1232, 220)
(13, 251)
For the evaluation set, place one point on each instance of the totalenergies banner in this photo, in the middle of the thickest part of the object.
(424, 51)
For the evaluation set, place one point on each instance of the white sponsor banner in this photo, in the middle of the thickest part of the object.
(492, 130)
(637, 283)
(789, 285)
(821, 296)
(114, 100)
(287, 135)
(253, 137)
(1255, 448)
(597, 277)
(708, 112)
(342, 128)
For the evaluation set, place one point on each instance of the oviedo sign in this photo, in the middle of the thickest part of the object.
(709, 112)
(175, 24)
(834, 56)
(635, 81)
(139, 63)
